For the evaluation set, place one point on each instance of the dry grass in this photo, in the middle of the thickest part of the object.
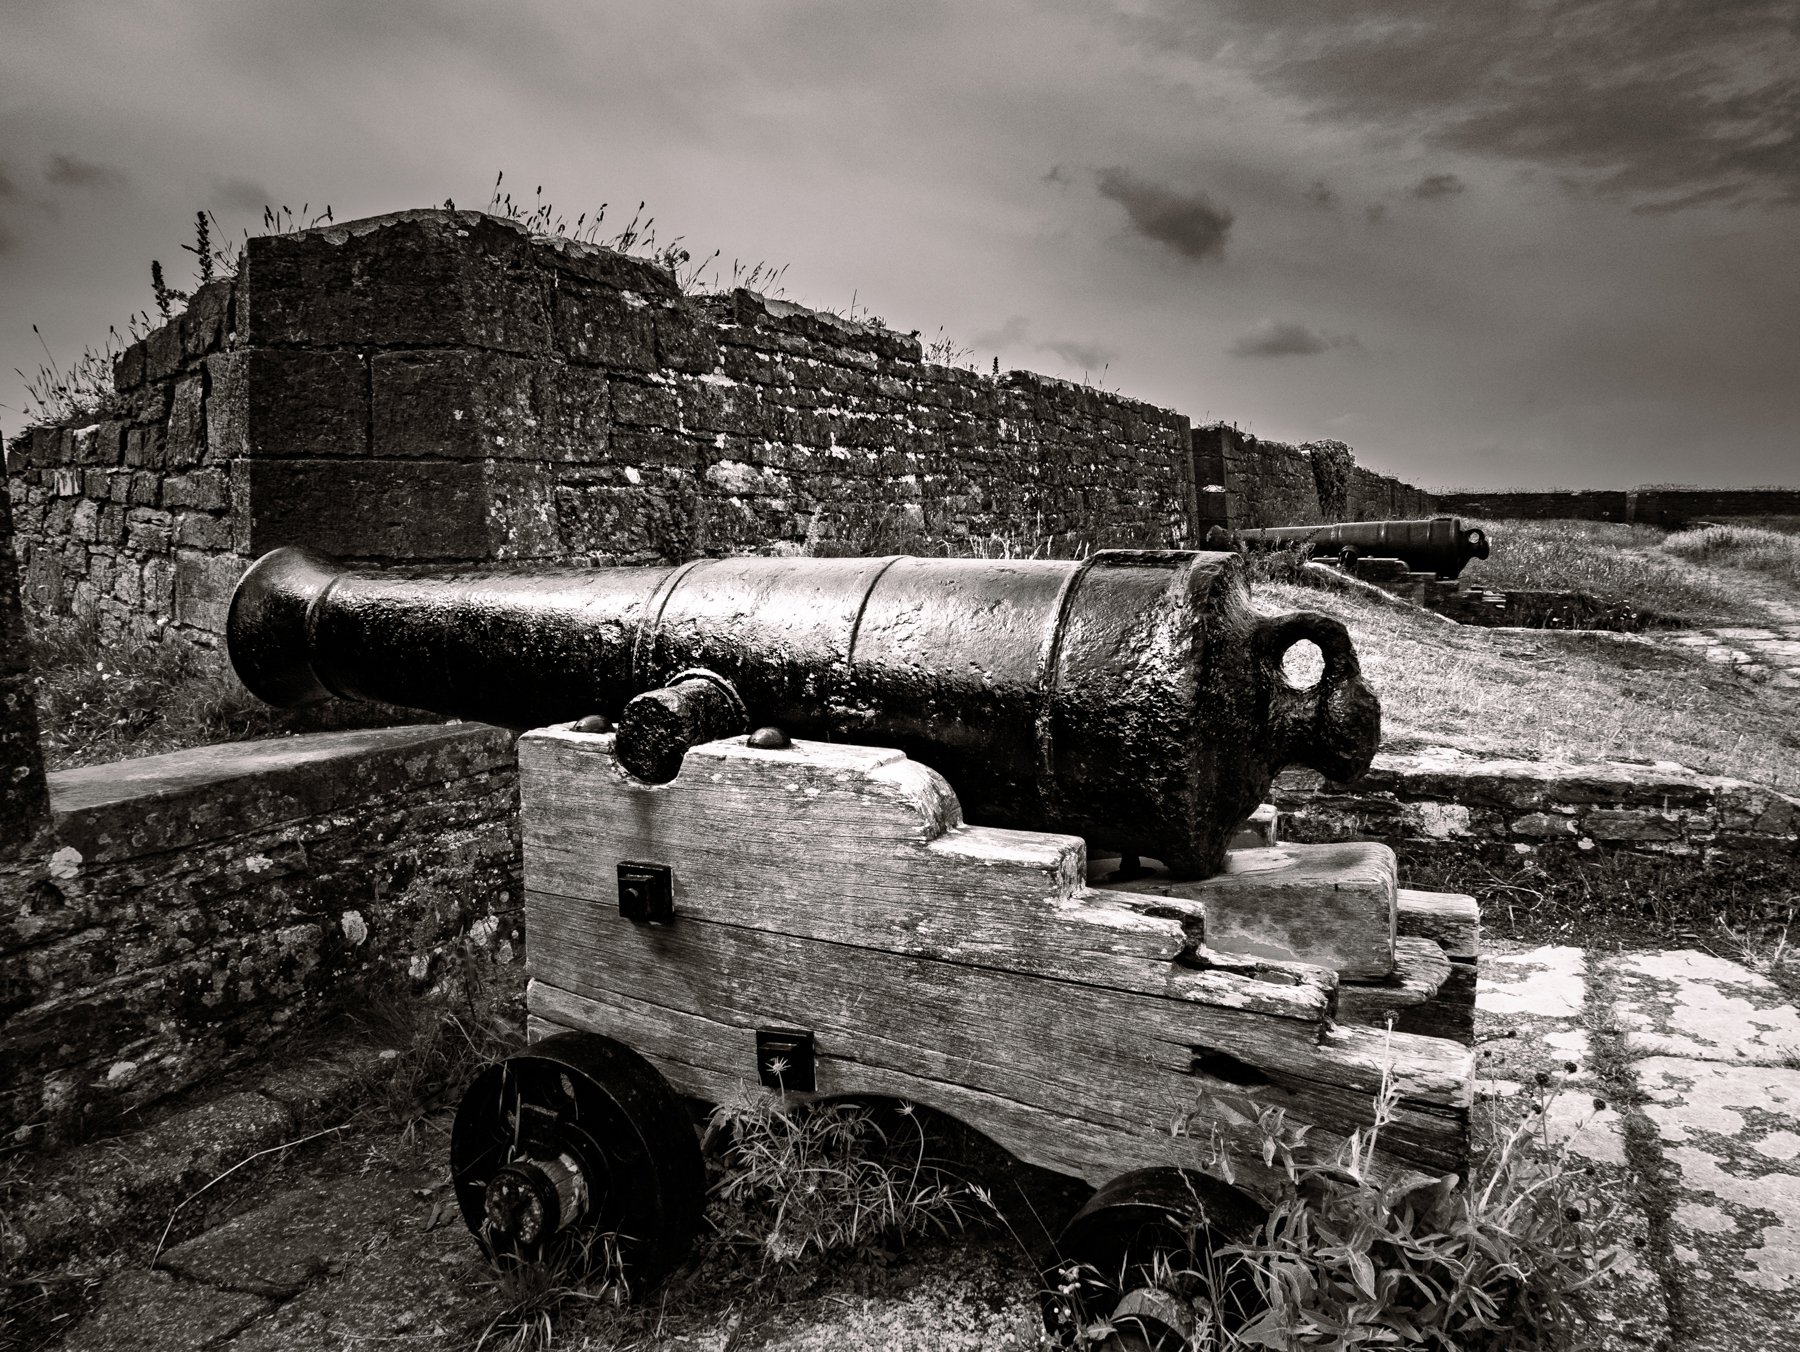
(1748, 548)
(103, 701)
(1630, 565)
(1561, 696)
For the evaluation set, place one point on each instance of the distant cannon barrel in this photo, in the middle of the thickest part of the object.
(1133, 697)
(1438, 545)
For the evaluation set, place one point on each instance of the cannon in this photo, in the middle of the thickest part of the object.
(1132, 698)
(1439, 545)
(906, 893)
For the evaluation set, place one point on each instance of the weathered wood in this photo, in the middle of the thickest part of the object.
(1452, 919)
(835, 889)
(1332, 905)
(1451, 1012)
(1126, 1055)
(860, 845)
(1420, 969)
(704, 1058)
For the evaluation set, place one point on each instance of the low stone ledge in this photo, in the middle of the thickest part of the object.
(157, 804)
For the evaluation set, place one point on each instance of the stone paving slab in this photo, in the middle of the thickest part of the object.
(145, 1311)
(1698, 1005)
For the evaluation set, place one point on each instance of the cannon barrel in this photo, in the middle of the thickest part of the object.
(1132, 697)
(1438, 545)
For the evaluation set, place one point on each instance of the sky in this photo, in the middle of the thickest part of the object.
(1552, 243)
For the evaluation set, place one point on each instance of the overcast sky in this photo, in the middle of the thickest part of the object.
(1529, 244)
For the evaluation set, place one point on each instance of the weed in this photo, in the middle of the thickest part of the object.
(1507, 1258)
(1748, 548)
(946, 351)
(814, 1179)
(103, 699)
(533, 1295)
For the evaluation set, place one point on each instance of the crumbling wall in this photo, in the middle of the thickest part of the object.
(1555, 504)
(126, 518)
(1270, 483)
(441, 386)
(195, 906)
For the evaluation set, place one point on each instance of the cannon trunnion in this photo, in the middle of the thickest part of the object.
(1132, 698)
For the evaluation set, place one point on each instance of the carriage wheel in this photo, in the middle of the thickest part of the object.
(1139, 1257)
(578, 1152)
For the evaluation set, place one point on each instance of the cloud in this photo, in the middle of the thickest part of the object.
(1434, 186)
(7, 187)
(1375, 213)
(1662, 105)
(1088, 356)
(1057, 174)
(71, 171)
(240, 194)
(1285, 338)
(1321, 196)
(1010, 334)
(1189, 223)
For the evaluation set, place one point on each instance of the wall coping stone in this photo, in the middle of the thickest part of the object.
(155, 804)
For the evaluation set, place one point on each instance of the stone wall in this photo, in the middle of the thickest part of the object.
(1679, 506)
(439, 386)
(1672, 507)
(1270, 483)
(1703, 846)
(127, 518)
(198, 905)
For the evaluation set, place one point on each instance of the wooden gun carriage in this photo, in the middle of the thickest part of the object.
(706, 908)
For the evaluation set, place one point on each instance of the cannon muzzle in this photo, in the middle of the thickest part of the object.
(1132, 697)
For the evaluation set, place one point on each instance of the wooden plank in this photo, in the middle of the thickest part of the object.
(710, 1060)
(1332, 905)
(1452, 919)
(1127, 1056)
(1451, 1012)
(1420, 970)
(860, 845)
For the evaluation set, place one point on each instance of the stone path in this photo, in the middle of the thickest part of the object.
(1752, 651)
(1684, 1092)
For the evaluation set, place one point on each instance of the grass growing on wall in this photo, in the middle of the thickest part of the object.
(102, 700)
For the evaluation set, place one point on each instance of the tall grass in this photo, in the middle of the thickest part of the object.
(1623, 564)
(1750, 548)
(104, 700)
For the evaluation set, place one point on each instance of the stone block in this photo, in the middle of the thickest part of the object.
(448, 404)
(652, 403)
(185, 442)
(146, 446)
(197, 530)
(207, 490)
(128, 368)
(203, 585)
(162, 352)
(271, 404)
(575, 404)
(1630, 825)
(412, 279)
(203, 324)
(364, 509)
(603, 327)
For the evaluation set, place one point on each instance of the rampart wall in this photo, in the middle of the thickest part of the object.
(442, 386)
(1652, 506)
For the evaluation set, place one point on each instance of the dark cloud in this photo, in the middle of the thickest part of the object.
(71, 171)
(1010, 334)
(7, 187)
(1375, 213)
(1057, 174)
(1285, 338)
(1321, 196)
(1433, 186)
(240, 194)
(1666, 105)
(1189, 223)
(8, 239)
(1088, 356)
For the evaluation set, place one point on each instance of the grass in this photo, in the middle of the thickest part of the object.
(101, 700)
(1622, 564)
(1559, 696)
(1748, 548)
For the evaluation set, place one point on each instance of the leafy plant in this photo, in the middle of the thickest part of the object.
(813, 1179)
(1504, 1259)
